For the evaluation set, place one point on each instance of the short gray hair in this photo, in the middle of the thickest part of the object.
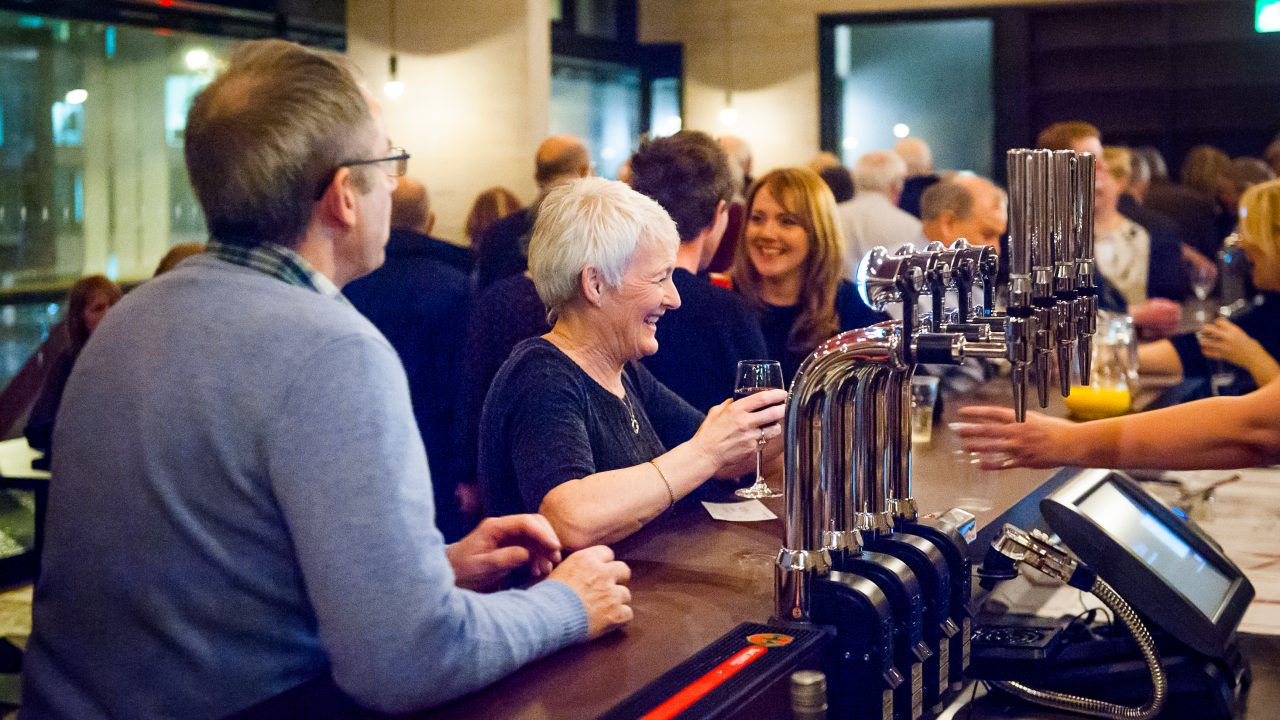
(879, 171)
(592, 222)
(916, 153)
(267, 135)
(1140, 167)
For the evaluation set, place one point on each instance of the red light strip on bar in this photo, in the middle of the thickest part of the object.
(699, 688)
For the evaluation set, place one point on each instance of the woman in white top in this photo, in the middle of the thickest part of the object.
(1122, 247)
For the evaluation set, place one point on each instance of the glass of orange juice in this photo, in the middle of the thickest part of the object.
(1094, 403)
(1110, 390)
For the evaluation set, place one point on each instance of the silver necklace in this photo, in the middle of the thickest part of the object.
(635, 422)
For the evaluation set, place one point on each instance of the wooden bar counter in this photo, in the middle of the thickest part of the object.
(694, 579)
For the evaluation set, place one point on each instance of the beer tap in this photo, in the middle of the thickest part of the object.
(963, 269)
(847, 425)
(1086, 303)
(937, 278)
(1021, 328)
(1062, 185)
(1044, 304)
(988, 268)
(972, 264)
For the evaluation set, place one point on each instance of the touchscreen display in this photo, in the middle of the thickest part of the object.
(1168, 555)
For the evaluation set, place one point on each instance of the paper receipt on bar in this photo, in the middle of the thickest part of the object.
(745, 511)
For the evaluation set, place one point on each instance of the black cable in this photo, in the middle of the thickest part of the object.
(973, 700)
(1111, 618)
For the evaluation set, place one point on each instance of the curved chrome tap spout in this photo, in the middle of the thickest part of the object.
(831, 457)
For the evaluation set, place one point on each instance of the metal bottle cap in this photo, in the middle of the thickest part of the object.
(808, 690)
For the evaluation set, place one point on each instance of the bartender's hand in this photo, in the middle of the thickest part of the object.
(601, 583)
(1002, 442)
(732, 429)
(499, 545)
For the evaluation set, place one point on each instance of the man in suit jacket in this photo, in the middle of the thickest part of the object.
(412, 221)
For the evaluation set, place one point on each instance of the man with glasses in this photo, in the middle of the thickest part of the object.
(242, 521)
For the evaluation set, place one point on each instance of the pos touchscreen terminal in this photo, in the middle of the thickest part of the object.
(1166, 567)
(1173, 603)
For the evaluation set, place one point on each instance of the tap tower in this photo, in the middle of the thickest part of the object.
(847, 426)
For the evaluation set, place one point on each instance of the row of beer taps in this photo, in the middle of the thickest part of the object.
(847, 426)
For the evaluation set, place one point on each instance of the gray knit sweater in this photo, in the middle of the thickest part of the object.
(241, 504)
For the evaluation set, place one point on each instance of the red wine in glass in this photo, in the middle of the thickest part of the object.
(757, 376)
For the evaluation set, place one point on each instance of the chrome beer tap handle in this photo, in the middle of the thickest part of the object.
(988, 266)
(1020, 329)
(925, 262)
(1086, 306)
(937, 278)
(963, 270)
(1064, 168)
(1041, 240)
(883, 279)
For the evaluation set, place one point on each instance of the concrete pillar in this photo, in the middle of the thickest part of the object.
(477, 80)
(126, 163)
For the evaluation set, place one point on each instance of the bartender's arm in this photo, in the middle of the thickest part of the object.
(1159, 358)
(1220, 432)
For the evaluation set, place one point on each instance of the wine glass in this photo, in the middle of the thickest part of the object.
(1202, 282)
(755, 376)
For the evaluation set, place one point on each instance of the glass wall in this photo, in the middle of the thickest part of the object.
(92, 178)
(927, 79)
(91, 170)
(664, 107)
(599, 102)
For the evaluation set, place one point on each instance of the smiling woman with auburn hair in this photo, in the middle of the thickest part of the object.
(790, 262)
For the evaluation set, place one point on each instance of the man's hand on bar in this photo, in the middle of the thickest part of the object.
(1002, 442)
(601, 583)
(499, 545)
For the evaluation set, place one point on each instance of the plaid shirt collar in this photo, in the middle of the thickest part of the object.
(277, 261)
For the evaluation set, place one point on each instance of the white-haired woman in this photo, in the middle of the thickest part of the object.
(572, 426)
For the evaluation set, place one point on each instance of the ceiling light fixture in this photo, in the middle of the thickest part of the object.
(728, 114)
(393, 88)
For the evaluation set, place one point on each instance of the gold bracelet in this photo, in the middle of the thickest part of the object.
(670, 493)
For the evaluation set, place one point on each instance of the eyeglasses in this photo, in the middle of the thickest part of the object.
(398, 156)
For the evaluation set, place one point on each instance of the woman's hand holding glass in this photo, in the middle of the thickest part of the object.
(755, 377)
(732, 431)
(1224, 340)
